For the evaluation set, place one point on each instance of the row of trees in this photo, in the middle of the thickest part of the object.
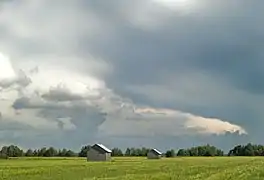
(206, 150)
(201, 151)
(247, 150)
(15, 151)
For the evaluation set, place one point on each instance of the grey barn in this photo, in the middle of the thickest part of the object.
(154, 154)
(99, 152)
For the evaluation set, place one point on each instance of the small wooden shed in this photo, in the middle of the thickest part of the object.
(99, 152)
(154, 154)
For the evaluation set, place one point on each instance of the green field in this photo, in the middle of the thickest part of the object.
(223, 168)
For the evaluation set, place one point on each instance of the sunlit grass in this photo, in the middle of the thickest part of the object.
(219, 168)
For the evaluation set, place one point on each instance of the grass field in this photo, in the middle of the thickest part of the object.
(223, 168)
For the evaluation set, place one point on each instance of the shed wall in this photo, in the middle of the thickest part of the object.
(94, 155)
(151, 155)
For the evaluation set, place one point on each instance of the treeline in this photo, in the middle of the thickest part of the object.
(201, 151)
(15, 151)
(247, 150)
(206, 150)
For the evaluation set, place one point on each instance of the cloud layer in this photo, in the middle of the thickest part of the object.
(36, 95)
(96, 70)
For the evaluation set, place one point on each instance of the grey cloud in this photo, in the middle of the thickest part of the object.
(21, 81)
(223, 43)
(72, 114)
(61, 94)
(34, 70)
(196, 41)
(21, 103)
(31, 103)
(157, 64)
(41, 103)
(6, 125)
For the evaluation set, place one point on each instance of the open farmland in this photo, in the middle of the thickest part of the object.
(133, 168)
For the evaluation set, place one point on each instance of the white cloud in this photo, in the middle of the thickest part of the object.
(149, 122)
(9, 78)
(50, 83)
(6, 68)
(180, 6)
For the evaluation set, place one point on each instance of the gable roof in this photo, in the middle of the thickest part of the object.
(101, 148)
(156, 151)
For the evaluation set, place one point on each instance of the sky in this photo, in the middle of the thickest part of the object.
(154, 73)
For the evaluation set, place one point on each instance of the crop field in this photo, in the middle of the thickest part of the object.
(211, 168)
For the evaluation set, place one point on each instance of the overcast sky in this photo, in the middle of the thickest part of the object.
(155, 73)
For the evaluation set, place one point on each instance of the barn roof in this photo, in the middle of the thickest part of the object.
(101, 148)
(156, 151)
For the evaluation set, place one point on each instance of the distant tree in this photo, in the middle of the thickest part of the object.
(133, 152)
(128, 152)
(117, 152)
(70, 153)
(3, 156)
(50, 152)
(62, 153)
(136, 151)
(4, 150)
(247, 150)
(12, 151)
(206, 150)
(84, 150)
(170, 153)
(35, 153)
(29, 153)
(219, 152)
(42, 151)
(193, 151)
(183, 152)
(144, 151)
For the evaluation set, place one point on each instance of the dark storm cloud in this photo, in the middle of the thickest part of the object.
(226, 39)
(225, 42)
